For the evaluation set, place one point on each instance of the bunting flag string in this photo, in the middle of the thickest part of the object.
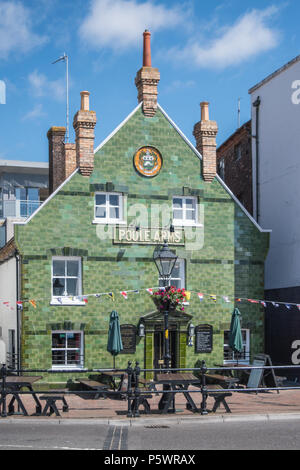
(150, 290)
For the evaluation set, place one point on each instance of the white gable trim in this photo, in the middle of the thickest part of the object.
(47, 200)
(118, 128)
(187, 142)
(217, 176)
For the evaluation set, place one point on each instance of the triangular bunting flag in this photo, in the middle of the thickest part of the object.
(150, 291)
(187, 295)
(213, 298)
(200, 296)
(111, 295)
(124, 293)
(226, 299)
(33, 303)
(263, 303)
(85, 299)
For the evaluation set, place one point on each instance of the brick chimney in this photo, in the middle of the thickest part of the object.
(84, 125)
(205, 133)
(56, 138)
(147, 79)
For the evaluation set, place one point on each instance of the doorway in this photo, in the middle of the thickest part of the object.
(158, 361)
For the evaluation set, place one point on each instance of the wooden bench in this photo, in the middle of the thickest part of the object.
(219, 396)
(142, 400)
(51, 403)
(216, 378)
(99, 387)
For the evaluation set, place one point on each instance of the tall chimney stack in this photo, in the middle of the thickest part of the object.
(205, 133)
(84, 124)
(147, 79)
(56, 138)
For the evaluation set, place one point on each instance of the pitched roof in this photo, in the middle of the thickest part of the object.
(187, 142)
(274, 74)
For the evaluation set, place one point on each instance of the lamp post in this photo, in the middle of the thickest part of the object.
(165, 262)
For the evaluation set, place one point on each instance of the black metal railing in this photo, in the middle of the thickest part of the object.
(133, 391)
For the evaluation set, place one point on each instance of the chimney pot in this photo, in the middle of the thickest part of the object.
(85, 100)
(147, 49)
(204, 111)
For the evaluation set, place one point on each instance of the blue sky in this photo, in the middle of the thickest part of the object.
(204, 50)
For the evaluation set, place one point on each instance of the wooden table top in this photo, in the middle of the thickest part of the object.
(178, 377)
(15, 379)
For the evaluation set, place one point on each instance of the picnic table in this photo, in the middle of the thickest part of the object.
(174, 382)
(14, 384)
(112, 376)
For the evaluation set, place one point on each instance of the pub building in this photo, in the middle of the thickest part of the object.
(88, 249)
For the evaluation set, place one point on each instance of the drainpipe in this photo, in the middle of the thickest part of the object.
(256, 105)
(18, 311)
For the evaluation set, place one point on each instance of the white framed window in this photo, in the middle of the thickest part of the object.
(109, 208)
(244, 356)
(66, 281)
(178, 275)
(185, 210)
(67, 349)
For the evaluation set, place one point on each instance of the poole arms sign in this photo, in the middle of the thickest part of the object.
(149, 236)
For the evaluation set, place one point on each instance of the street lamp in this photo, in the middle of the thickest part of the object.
(165, 261)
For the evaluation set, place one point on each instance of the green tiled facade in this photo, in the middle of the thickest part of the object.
(228, 262)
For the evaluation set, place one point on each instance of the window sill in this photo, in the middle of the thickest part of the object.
(66, 302)
(79, 368)
(109, 222)
(184, 224)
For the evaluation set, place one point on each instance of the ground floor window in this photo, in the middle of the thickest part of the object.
(244, 356)
(178, 275)
(67, 349)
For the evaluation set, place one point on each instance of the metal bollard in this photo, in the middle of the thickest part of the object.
(3, 374)
(203, 388)
(137, 391)
(129, 389)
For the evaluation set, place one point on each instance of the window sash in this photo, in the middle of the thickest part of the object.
(244, 356)
(64, 355)
(185, 209)
(65, 279)
(111, 209)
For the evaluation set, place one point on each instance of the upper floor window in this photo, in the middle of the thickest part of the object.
(221, 168)
(185, 210)
(66, 280)
(237, 152)
(109, 207)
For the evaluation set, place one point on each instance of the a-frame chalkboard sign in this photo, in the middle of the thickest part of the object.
(262, 377)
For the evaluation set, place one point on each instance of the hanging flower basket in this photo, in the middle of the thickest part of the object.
(170, 298)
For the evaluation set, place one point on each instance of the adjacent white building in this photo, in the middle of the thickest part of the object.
(276, 198)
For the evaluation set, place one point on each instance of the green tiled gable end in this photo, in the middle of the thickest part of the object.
(230, 262)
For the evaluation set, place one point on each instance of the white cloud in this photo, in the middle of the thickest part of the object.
(118, 24)
(36, 112)
(16, 33)
(249, 36)
(41, 86)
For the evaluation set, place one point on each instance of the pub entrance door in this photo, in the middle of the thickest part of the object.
(158, 361)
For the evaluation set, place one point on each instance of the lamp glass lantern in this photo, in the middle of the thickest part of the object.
(165, 261)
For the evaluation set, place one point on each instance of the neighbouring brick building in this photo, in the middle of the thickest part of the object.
(95, 235)
(234, 162)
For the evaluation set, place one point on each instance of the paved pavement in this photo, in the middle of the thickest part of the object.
(244, 406)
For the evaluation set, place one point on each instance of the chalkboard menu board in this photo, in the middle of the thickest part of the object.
(204, 339)
(128, 334)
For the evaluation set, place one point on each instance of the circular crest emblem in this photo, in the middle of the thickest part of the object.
(148, 161)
